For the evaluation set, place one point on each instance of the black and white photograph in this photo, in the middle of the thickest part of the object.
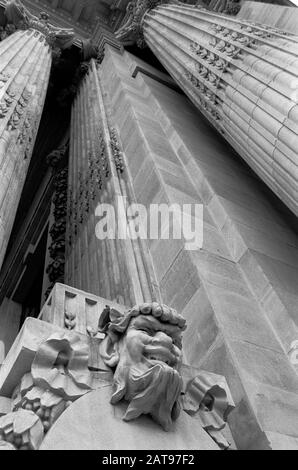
(148, 228)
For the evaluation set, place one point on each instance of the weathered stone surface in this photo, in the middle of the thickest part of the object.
(98, 425)
(10, 314)
(5, 405)
(281, 441)
(283, 401)
(222, 298)
(279, 16)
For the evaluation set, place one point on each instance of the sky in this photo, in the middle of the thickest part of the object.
(295, 2)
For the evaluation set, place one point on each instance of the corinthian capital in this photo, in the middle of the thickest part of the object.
(21, 18)
(131, 30)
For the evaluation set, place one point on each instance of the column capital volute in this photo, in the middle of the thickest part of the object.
(131, 30)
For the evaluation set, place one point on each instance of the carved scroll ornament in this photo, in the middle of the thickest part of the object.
(208, 398)
(59, 376)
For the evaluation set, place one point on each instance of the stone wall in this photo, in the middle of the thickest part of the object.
(238, 292)
(285, 18)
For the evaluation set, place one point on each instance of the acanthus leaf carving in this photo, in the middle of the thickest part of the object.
(19, 17)
(131, 30)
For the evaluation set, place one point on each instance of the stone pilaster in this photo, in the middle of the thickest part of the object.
(25, 59)
(117, 268)
(242, 77)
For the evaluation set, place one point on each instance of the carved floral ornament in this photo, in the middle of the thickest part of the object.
(15, 112)
(55, 269)
(91, 181)
(216, 56)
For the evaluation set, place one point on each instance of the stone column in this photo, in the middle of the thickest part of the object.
(118, 268)
(242, 77)
(25, 63)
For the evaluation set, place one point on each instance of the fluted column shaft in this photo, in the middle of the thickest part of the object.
(116, 268)
(243, 78)
(25, 63)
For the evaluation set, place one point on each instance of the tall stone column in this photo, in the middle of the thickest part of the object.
(25, 63)
(117, 267)
(242, 77)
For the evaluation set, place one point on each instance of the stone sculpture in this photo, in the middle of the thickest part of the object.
(145, 347)
(150, 391)
(139, 378)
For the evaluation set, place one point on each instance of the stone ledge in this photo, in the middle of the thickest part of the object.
(84, 307)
